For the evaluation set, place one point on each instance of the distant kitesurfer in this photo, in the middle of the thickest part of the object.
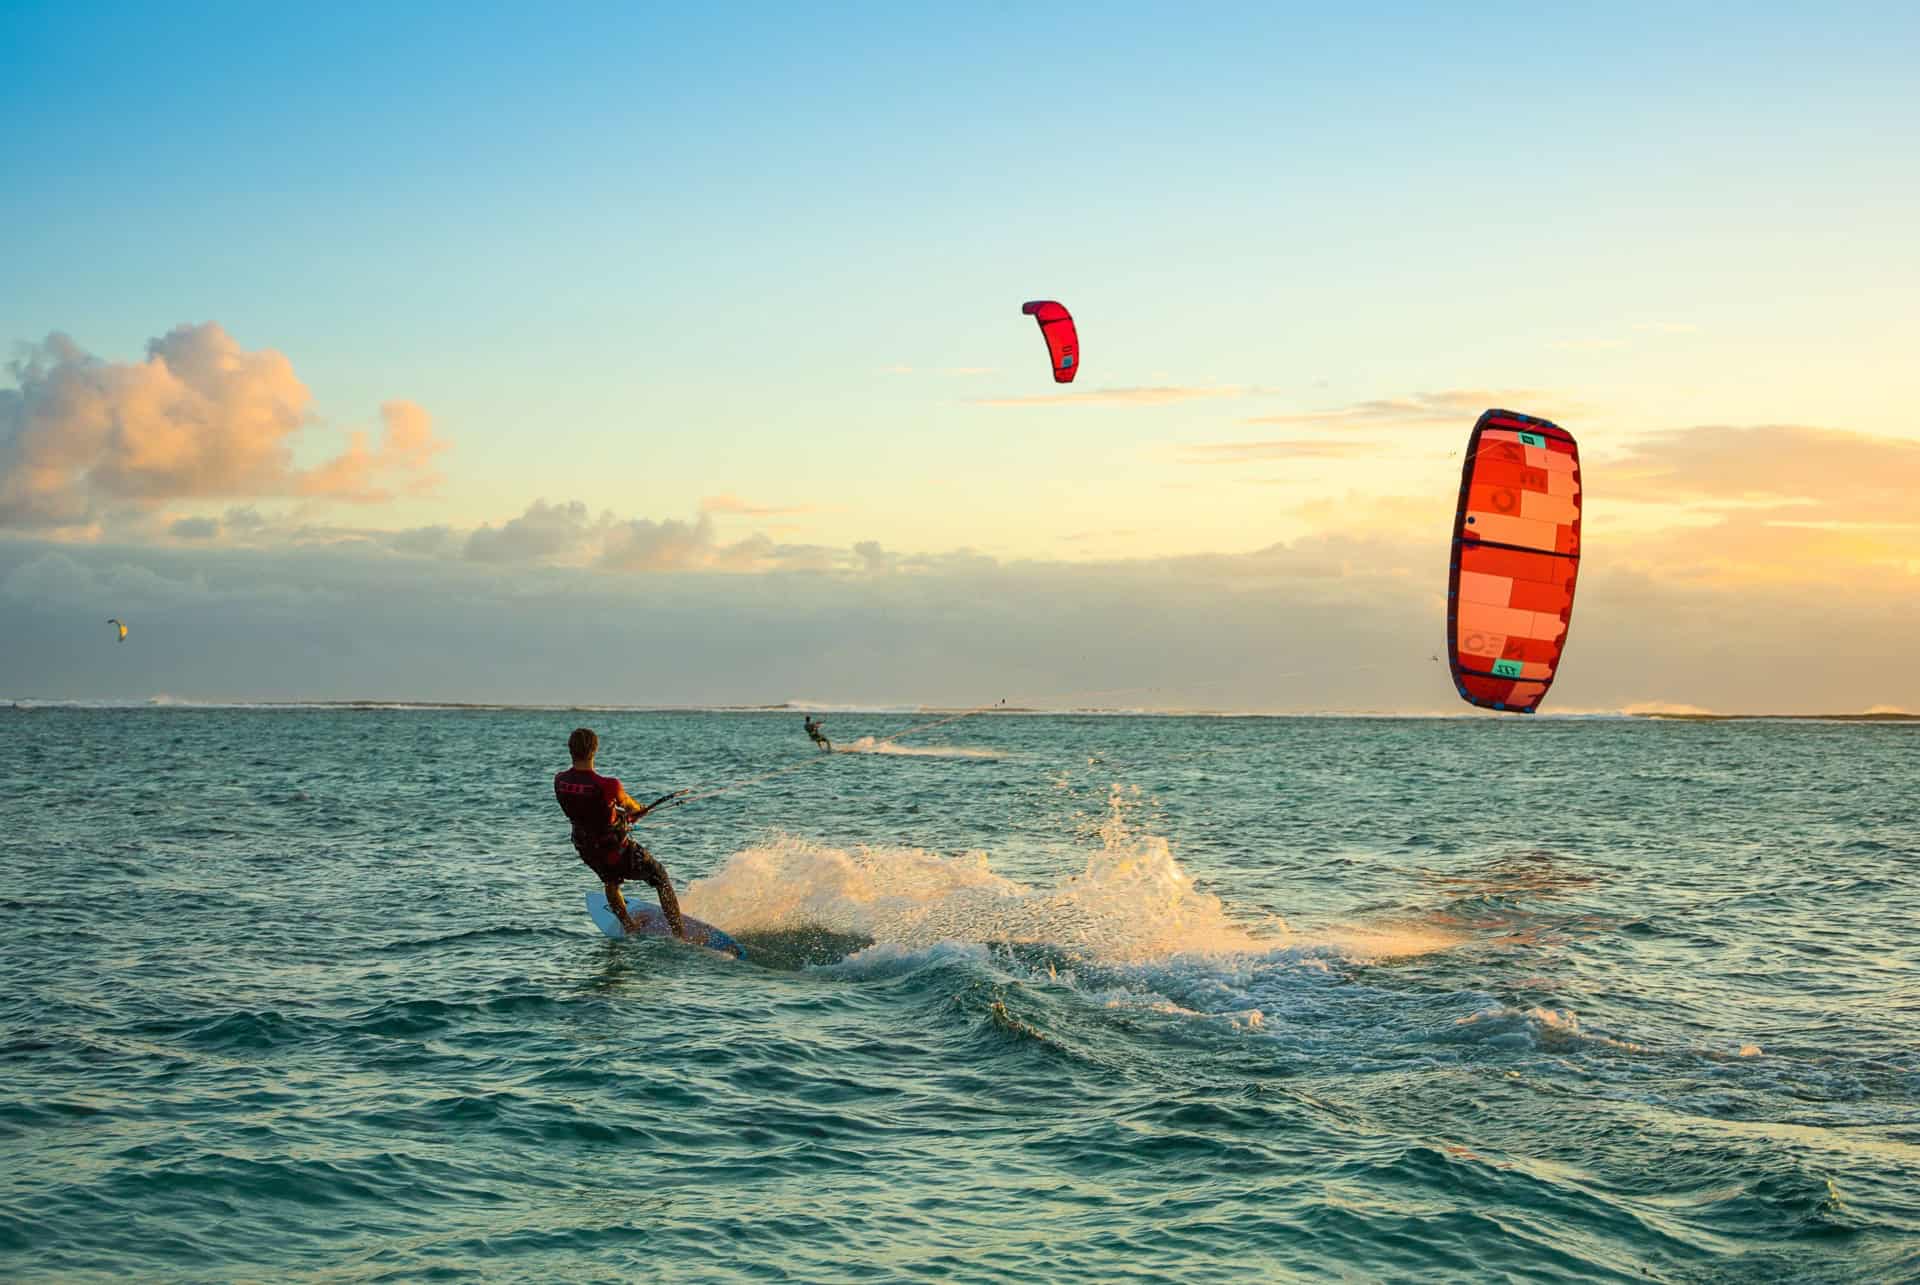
(819, 737)
(601, 810)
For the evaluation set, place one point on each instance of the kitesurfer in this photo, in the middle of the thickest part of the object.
(819, 737)
(601, 810)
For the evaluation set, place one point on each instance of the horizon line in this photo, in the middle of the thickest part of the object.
(28, 704)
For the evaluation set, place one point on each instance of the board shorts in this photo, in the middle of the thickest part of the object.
(621, 860)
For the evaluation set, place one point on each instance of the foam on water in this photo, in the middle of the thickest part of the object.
(1541, 1028)
(873, 745)
(1130, 903)
(1386, 940)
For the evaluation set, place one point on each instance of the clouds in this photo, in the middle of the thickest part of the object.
(640, 544)
(1114, 397)
(1769, 504)
(1720, 504)
(1262, 452)
(731, 503)
(194, 528)
(948, 627)
(543, 531)
(85, 441)
(566, 535)
(1702, 544)
(401, 462)
(1823, 474)
(1455, 407)
(78, 582)
(1729, 506)
(1335, 622)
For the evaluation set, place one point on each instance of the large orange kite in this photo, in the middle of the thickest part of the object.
(1516, 553)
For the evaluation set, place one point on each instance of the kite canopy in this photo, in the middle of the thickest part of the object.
(1063, 341)
(1516, 553)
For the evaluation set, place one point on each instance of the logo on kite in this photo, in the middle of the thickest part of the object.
(1516, 555)
(1063, 341)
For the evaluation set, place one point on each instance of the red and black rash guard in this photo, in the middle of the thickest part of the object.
(590, 802)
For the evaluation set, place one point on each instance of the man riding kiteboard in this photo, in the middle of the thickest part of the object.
(819, 736)
(601, 810)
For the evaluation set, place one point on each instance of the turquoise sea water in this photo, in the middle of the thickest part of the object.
(310, 994)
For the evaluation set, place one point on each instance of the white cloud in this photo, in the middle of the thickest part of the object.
(544, 531)
(1458, 407)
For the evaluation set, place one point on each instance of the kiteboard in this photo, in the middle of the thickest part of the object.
(654, 924)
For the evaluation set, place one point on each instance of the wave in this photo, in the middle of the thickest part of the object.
(1131, 903)
(1538, 1027)
(873, 745)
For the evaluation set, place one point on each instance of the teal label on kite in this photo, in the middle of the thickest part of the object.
(1507, 668)
(1533, 439)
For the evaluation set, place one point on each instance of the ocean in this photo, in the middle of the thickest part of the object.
(301, 994)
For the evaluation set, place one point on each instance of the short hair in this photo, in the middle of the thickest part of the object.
(583, 744)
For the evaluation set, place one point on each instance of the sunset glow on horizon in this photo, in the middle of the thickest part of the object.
(615, 310)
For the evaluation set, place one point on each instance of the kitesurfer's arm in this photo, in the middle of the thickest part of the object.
(634, 810)
(617, 903)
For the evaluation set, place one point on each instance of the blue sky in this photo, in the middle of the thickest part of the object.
(638, 257)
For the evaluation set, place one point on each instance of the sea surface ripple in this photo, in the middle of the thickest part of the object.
(310, 994)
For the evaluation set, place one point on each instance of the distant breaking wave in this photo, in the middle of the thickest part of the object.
(872, 745)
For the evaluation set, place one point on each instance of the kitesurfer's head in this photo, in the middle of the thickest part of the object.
(583, 744)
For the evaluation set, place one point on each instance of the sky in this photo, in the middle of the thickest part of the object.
(632, 354)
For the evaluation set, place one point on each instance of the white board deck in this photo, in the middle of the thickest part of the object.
(654, 924)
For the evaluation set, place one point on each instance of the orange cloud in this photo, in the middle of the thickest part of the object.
(1291, 449)
(407, 445)
(728, 502)
(83, 439)
(1822, 474)
(1735, 507)
(1773, 504)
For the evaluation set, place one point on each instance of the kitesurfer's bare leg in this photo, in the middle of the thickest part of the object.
(656, 876)
(617, 903)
